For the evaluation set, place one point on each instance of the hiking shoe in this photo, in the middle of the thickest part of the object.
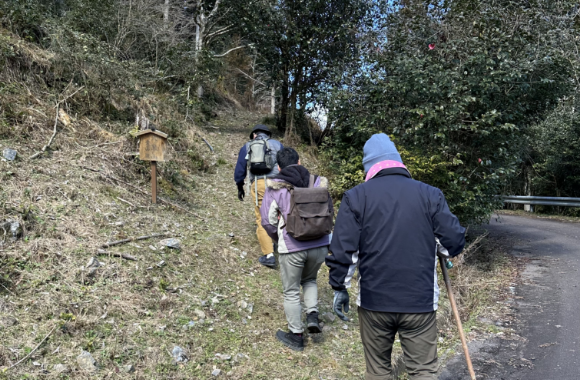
(312, 323)
(291, 340)
(268, 262)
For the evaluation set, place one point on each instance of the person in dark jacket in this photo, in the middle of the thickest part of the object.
(391, 227)
(258, 187)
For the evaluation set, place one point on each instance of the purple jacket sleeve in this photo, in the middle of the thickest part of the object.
(269, 212)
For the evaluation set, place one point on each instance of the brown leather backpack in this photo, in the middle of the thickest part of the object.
(311, 212)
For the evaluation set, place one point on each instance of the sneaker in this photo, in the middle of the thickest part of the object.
(291, 340)
(268, 262)
(312, 323)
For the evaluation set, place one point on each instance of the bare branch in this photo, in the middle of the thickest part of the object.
(55, 130)
(219, 32)
(34, 350)
(229, 51)
(214, 10)
(254, 79)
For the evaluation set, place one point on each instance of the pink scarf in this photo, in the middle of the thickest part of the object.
(376, 168)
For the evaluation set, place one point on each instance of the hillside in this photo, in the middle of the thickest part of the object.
(62, 293)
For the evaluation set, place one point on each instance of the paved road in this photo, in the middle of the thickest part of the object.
(547, 306)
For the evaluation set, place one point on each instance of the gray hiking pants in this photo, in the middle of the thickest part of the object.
(296, 269)
(418, 334)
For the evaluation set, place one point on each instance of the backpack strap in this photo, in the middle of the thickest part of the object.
(312, 181)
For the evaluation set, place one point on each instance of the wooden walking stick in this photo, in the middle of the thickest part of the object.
(456, 315)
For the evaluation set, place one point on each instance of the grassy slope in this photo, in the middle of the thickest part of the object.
(136, 312)
(129, 314)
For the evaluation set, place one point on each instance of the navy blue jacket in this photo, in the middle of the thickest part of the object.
(387, 227)
(242, 164)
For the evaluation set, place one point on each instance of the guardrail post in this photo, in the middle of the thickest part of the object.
(528, 208)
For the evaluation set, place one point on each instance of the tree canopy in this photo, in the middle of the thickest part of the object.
(458, 84)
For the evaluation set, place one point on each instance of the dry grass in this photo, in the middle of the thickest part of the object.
(562, 218)
(135, 312)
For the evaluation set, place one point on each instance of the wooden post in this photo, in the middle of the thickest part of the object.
(152, 145)
(154, 181)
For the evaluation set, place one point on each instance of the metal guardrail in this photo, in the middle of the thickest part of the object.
(543, 201)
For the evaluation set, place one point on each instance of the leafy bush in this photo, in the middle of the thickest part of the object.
(457, 90)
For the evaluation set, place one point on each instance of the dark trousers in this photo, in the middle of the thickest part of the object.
(418, 335)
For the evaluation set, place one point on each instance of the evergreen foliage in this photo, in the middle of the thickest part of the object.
(459, 84)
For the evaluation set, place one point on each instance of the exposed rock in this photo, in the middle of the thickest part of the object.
(171, 243)
(189, 325)
(216, 372)
(11, 228)
(328, 317)
(93, 263)
(8, 321)
(223, 356)
(199, 313)
(214, 300)
(250, 308)
(129, 368)
(86, 361)
(240, 357)
(60, 368)
(179, 355)
(243, 304)
(9, 154)
(345, 327)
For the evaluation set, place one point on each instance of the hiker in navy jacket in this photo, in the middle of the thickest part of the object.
(389, 227)
(257, 188)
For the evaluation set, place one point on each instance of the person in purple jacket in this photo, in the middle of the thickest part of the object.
(299, 260)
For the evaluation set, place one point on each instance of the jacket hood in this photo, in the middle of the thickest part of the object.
(296, 175)
(278, 184)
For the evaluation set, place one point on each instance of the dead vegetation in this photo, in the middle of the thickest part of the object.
(210, 297)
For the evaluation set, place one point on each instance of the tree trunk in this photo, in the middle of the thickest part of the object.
(528, 188)
(290, 129)
(199, 30)
(283, 118)
(273, 101)
(166, 14)
(59, 7)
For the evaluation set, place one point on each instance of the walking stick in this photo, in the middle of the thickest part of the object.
(456, 315)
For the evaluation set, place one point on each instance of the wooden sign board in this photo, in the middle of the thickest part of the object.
(152, 148)
(152, 145)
